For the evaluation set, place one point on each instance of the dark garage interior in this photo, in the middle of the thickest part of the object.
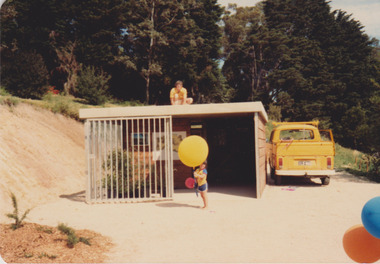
(231, 160)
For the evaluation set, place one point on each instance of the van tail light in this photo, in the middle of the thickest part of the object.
(280, 163)
(329, 162)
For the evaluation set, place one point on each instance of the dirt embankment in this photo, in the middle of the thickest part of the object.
(41, 156)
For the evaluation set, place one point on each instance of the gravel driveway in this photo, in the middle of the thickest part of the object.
(299, 221)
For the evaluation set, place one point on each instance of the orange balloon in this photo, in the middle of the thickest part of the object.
(360, 245)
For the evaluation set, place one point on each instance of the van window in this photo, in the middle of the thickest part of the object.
(325, 135)
(297, 134)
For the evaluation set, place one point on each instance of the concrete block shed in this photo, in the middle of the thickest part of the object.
(132, 152)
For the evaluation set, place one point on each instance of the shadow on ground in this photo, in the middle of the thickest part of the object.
(172, 204)
(75, 197)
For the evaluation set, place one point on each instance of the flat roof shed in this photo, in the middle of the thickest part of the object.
(132, 151)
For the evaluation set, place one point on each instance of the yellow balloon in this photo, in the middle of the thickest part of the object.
(193, 151)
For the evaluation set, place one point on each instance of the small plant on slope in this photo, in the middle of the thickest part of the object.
(15, 214)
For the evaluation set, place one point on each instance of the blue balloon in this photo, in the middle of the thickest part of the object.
(371, 216)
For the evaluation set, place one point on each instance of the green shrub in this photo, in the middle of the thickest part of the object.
(15, 215)
(131, 183)
(92, 85)
(26, 75)
(72, 239)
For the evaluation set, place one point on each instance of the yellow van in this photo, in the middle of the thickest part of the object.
(300, 149)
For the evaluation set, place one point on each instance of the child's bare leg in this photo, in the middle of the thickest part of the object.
(205, 199)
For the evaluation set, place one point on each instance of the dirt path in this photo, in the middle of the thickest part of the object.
(304, 223)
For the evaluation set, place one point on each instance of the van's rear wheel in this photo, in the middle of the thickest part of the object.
(325, 180)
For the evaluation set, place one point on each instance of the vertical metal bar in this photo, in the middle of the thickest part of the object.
(167, 183)
(150, 158)
(155, 134)
(122, 158)
(87, 139)
(171, 178)
(128, 157)
(100, 159)
(91, 159)
(96, 150)
(160, 127)
(93, 151)
(168, 154)
(99, 178)
(104, 184)
(117, 160)
(138, 156)
(144, 157)
(107, 161)
(133, 159)
(111, 157)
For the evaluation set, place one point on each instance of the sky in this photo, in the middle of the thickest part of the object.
(365, 11)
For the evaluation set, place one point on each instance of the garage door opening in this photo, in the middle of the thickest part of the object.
(231, 160)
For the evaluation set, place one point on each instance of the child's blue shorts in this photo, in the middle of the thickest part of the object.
(203, 187)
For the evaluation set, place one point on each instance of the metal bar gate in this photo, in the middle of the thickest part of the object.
(129, 159)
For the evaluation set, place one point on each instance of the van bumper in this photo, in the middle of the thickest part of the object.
(305, 173)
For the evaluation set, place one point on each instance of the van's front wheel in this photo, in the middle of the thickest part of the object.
(325, 180)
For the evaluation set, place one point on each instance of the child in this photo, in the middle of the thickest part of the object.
(200, 175)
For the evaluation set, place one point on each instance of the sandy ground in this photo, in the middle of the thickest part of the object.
(305, 225)
(41, 155)
(301, 224)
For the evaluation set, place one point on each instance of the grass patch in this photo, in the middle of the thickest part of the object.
(44, 229)
(72, 238)
(28, 255)
(60, 104)
(45, 255)
(65, 105)
(357, 163)
(345, 157)
(9, 101)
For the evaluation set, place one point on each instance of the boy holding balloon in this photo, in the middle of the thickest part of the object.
(200, 175)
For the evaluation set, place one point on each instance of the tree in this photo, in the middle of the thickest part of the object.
(68, 65)
(145, 36)
(250, 53)
(26, 76)
(328, 72)
(166, 40)
(96, 27)
(199, 61)
(93, 25)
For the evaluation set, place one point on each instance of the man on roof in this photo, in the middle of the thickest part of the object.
(178, 95)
